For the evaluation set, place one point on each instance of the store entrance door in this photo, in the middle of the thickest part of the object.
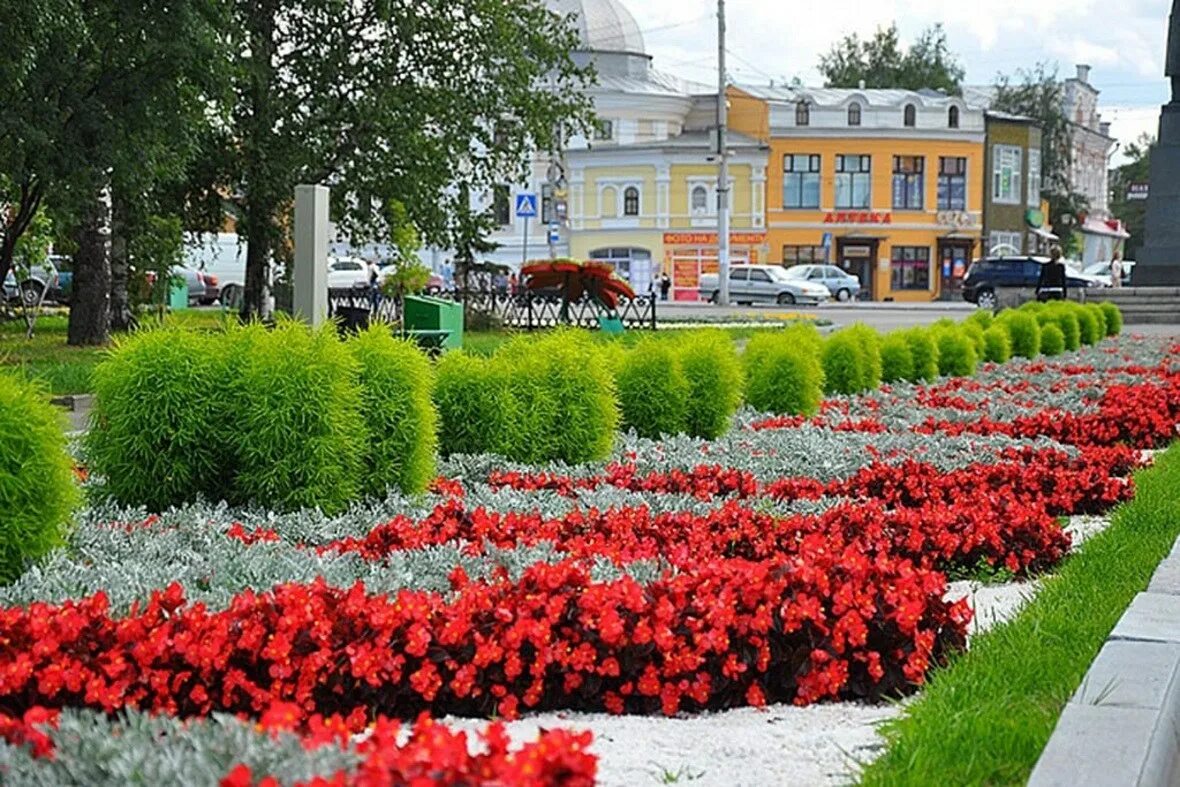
(954, 257)
(858, 257)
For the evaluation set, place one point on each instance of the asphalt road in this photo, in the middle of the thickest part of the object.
(883, 316)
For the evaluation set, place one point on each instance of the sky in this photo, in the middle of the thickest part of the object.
(1124, 42)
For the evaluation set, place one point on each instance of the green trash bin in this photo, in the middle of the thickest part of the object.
(423, 313)
(178, 296)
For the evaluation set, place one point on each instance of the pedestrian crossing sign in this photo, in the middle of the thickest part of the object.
(526, 206)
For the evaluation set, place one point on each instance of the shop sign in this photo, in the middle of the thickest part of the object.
(858, 217)
(955, 218)
(1034, 218)
(1137, 191)
(711, 238)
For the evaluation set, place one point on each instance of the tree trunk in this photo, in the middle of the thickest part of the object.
(90, 309)
(261, 183)
(121, 317)
(257, 260)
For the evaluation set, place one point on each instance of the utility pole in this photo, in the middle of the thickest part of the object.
(723, 163)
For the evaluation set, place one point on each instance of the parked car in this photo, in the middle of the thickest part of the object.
(222, 257)
(763, 284)
(1102, 271)
(199, 293)
(347, 273)
(42, 283)
(985, 276)
(843, 285)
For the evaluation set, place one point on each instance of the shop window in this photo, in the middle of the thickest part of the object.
(631, 201)
(801, 180)
(952, 183)
(910, 116)
(952, 117)
(804, 255)
(802, 114)
(501, 205)
(908, 182)
(853, 181)
(608, 202)
(910, 268)
(1006, 165)
(854, 114)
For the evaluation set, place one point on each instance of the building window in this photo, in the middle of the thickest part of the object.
(908, 182)
(854, 114)
(1034, 178)
(911, 116)
(804, 255)
(1004, 243)
(952, 183)
(604, 131)
(910, 268)
(631, 201)
(952, 117)
(853, 181)
(802, 114)
(608, 202)
(501, 205)
(1006, 162)
(801, 180)
(634, 265)
(700, 201)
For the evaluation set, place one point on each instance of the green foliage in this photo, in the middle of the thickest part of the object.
(1099, 319)
(956, 353)
(299, 435)
(715, 382)
(869, 342)
(478, 412)
(1024, 331)
(880, 62)
(997, 345)
(982, 317)
(897, 361)
(156, 251)
(1064, 316)
(1133, 212)
(1091, 330)
(974, 332)
(653, 390)
(924, 351)
(36, 476)
(783, 373)
(397, 383)
(844, 364)
(1052, 340)
(1114, 318)
(160, 427)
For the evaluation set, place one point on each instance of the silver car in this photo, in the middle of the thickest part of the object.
(763, 284)
(843, 285)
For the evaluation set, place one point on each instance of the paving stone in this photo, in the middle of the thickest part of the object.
(1153, 617)
(1130, 674)
(1096, 746)
(1166, 578)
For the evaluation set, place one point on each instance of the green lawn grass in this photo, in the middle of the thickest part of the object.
(986, 717)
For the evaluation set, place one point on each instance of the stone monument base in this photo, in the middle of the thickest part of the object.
(1158, 262)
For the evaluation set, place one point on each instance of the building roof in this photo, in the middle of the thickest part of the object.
(702, 140)
(602, 25)
(653, 82)
(979, 96)
(834, 97)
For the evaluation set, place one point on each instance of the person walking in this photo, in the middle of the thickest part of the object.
(1116, 270)
(665, 286)
(374, 284)
(1051, 284)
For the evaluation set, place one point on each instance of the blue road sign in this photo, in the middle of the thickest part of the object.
(554, 234)
(526, 206)
(827, 242)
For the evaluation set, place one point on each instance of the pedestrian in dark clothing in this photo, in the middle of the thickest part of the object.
(665, 286)
(1051, 285)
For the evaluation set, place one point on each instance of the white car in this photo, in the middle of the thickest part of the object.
(347, 273)
(763, 284)
(1101, 270)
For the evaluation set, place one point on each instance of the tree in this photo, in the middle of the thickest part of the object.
(383, 100)
(1037, 94)
(1132, 211)
(880, 62)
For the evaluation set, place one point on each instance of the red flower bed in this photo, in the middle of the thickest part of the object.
(704, 482)
(829, 623)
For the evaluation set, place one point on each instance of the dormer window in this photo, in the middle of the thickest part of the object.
(854, 114)
(952, 117)
(910, 116)
(802, 114)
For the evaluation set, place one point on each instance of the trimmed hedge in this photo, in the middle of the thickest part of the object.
(653, 390)
(783, 373)
(924, 351)
(897, 362)
(36, 476)
(715, 382)
(1052, 340)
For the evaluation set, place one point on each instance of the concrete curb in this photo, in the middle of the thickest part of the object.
(1122, 726)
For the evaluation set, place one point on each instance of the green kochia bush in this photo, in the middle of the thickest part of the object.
(956, 353)
(300, 436)
(714, 374)
(997, 346)
(925, 354)
(974, 331)
(1099, 319)
(478, 411)
(37, 492)
(1024, 331)
(1052, 340)
(982, 317)
(844, 364)
(1064, 316)
(160, 432)
(1114, 318)
(1091, 331)
(869, 342)
(397, 383)
(653, 390)
(897, 362)
(783, 372)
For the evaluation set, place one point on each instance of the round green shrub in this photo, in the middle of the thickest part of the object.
(36, 476)
(956, 353)
(300, 436)
(974, 332)
(1114, 318)
(653, 390)
(478, 411)
(1024, 332)
(783, 376)
(844, 364)
(1090, 330)
(1052, 340)
(982, 317)
(924, 351)
(162, 426)
(397, 383)
(715, 382)
(1064, 316)
(897, 362)
(1099, 319)
(997, 346)
(869, 342)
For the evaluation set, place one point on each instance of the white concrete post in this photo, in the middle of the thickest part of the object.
(310, 298)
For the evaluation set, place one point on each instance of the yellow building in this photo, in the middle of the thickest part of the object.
(886, 184)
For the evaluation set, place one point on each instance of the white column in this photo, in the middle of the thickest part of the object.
(310, 301)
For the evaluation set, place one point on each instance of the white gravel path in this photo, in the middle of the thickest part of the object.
(779, 745)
